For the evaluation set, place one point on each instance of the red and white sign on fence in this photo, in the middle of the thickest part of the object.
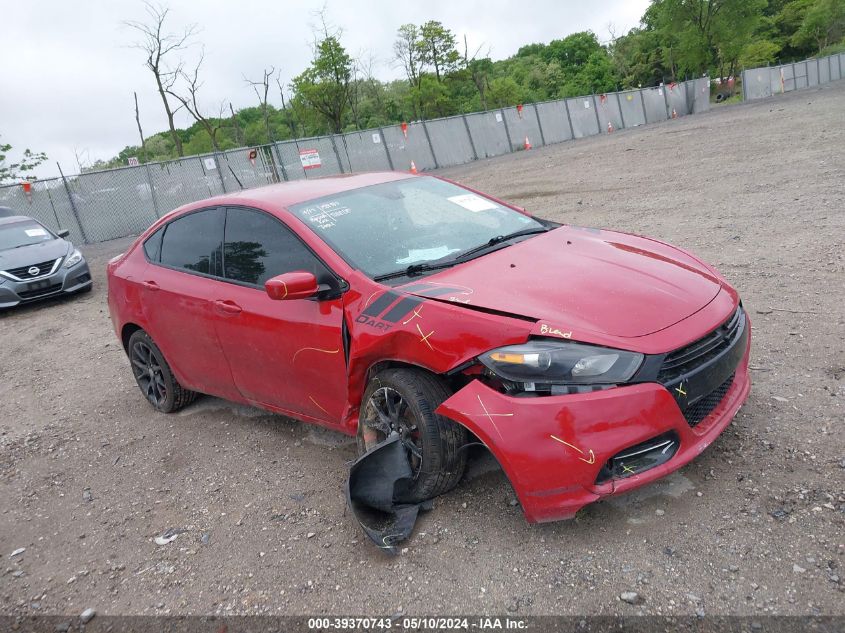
(310, 158)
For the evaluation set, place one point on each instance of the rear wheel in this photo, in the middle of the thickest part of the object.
(404, 400)
(154, 376)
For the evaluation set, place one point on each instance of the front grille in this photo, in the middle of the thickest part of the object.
(696, 412)
(699, 352)
(32, 294)
(23, 272)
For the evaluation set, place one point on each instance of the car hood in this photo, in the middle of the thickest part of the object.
(34, 254)
(581, 279)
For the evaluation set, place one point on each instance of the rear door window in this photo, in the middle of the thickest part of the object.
(194, 242)
(258, 247)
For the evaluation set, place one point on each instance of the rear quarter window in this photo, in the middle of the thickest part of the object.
(152, 245)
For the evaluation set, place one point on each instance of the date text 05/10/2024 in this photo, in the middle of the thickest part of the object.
(418, 623)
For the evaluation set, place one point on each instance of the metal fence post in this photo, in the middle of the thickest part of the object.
(386, 149)
(346, 151)
(220, 172)
(278, 159)
(507, 131)
(539, 124)
(642, 103)
(744, 91)
(469, 136)
(304, 171)
(337, 153)
(73, 205)
(794, 78)
(666, 100)
(596, 108)
(569, 119)
(430, 144)
(156, 210)
(52, 206)
(621, 114)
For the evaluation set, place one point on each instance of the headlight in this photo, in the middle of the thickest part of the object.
(553, 362)
(74, 259)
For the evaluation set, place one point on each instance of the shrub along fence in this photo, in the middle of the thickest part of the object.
(104, 205)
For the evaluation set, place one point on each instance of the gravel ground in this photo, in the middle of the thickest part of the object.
(90, 475)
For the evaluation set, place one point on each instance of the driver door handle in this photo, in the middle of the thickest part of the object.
(150, 285)
(227, 307)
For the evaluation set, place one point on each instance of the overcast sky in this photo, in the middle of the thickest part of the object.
(67, 75)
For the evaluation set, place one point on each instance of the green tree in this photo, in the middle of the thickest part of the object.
(823, 24)
(407, 53)
(436, 46)
(638, 58)
(10, 172)
(708, 34)
(504, 91)
(324, 86)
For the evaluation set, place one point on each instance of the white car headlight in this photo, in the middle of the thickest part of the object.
(558, 362)
(74, 259)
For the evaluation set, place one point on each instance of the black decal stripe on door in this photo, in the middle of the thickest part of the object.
(401, 309)
(380, 304)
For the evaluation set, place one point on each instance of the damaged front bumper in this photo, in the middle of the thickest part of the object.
(564, 452)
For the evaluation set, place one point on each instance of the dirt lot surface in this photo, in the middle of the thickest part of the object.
(90, 475)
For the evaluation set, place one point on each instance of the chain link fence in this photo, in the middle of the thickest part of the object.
(104, 205)
(759, 83)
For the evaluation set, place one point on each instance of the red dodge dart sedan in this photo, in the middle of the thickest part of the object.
(589, 362)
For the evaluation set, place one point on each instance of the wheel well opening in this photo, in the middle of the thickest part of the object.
(454, 382)
(126, 333)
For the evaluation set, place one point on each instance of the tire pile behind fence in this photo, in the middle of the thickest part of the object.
(104, 205)
(759, 83)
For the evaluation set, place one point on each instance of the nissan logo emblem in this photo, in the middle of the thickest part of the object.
(34, 270)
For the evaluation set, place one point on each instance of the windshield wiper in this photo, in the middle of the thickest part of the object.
(493, 241)
(416, 269)
(412, 270)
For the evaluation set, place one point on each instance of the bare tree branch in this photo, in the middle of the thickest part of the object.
(190, 101)
(158, 46)
(288, 111)
(144, 156)
(262, 90)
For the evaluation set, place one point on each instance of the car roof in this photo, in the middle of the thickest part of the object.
(11, 219)
(281, 196)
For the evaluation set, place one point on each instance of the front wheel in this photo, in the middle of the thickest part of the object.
(154, 377)
(404, 400)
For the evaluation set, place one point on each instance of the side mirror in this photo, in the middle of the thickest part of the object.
(296, 285)
(63, 233)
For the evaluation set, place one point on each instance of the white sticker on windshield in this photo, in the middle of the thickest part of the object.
(426, 254)
(35, 232)
(471, 202)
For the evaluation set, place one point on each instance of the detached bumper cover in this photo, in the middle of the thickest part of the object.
(554, 448)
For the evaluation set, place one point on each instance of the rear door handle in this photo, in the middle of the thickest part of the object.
(150, 285)
(227, 307)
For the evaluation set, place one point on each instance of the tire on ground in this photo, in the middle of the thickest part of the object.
(443, 461)
(177, 397)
